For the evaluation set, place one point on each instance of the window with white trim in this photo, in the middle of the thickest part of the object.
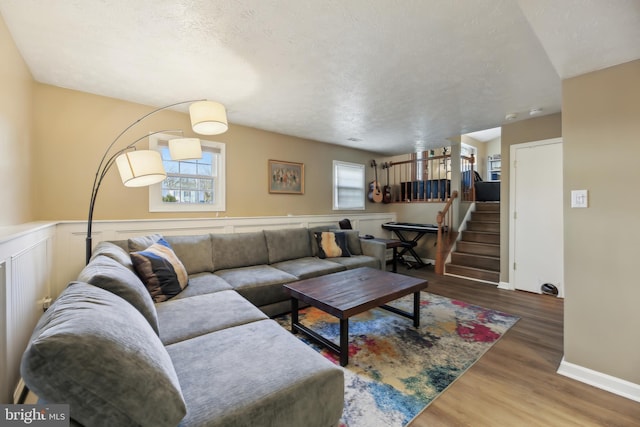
(348, 186)
(191, 185)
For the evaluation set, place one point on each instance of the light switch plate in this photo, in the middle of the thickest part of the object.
(579, 198)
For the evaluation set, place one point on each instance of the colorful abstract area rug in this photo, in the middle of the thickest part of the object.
(396, 370)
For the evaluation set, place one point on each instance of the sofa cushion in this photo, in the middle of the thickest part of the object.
(256, 373)
(332, 245)
(195, 252)
(97, 353)
(357, 261)
(287, 244)
(239, 250)
(304, 268)
(113, 251)
(260, 284)
(191, 317)
(375, 249)
(203, 283)
(160, 270)
(108, 274)
(353, 241)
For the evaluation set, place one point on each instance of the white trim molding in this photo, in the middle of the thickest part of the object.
(598, 379)
(506, 285)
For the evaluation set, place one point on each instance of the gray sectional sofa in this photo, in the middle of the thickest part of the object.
(210, 355)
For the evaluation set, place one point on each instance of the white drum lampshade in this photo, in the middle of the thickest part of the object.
(185, 149)
(140, 168)
(208, 118)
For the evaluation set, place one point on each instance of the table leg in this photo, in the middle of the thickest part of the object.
(394, 264)
(294, 315)
(344, 342)
(416, 309)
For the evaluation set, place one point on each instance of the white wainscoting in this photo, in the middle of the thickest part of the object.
(26, 265)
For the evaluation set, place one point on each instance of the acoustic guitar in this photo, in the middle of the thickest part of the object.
(375, 195)
(386, 190)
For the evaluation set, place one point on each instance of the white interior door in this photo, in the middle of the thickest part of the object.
(536, 233)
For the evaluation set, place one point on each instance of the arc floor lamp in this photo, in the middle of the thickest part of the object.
(139, 168)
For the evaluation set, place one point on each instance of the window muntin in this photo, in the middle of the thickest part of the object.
(191, 185)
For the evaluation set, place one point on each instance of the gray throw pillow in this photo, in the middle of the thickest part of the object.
(143, 242)
(108, 274)
(98, 354)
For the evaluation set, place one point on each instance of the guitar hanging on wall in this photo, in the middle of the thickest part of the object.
(386, 190)
(375, 195)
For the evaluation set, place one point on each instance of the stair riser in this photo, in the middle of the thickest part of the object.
(485, 216)
(478, 248)
(491, 207)
(472, 236)
(483, 226)
(475, 261)
(488, 276)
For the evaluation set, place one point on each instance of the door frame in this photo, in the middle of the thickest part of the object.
(512, 206)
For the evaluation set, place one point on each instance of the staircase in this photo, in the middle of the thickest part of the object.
(477, 254)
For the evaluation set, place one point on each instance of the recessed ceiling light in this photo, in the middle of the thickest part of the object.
(535, 111)
(510, 116)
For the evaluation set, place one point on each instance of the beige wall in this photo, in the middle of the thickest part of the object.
(16, 85)
(481, 159)
(537, 129)
(72, 130)
(602, 109)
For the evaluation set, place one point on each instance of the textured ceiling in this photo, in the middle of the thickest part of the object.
(390, 76)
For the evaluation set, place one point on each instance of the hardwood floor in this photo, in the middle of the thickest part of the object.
(515, 383)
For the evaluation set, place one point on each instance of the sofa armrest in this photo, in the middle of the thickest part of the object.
(375, 249)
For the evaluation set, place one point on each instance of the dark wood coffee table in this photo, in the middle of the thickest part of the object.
(351, 292)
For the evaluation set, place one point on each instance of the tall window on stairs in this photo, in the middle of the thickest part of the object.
(348, 186)
(191, 185)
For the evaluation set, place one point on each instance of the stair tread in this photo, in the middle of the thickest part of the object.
(472, 242)
(476, 255)
(466, 267)
(473, 273)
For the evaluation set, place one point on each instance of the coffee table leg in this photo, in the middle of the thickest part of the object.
(294, 315)
(344, 342)
(394, 264)
(416, 309)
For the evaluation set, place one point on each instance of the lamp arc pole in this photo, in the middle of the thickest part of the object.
(108, 160)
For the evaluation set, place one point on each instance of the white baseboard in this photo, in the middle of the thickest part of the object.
(602, 381)
(506, 285)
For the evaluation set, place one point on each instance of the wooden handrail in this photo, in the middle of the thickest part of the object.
(444, 220)
(424, 159)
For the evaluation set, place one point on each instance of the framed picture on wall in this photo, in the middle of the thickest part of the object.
(286, 177)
